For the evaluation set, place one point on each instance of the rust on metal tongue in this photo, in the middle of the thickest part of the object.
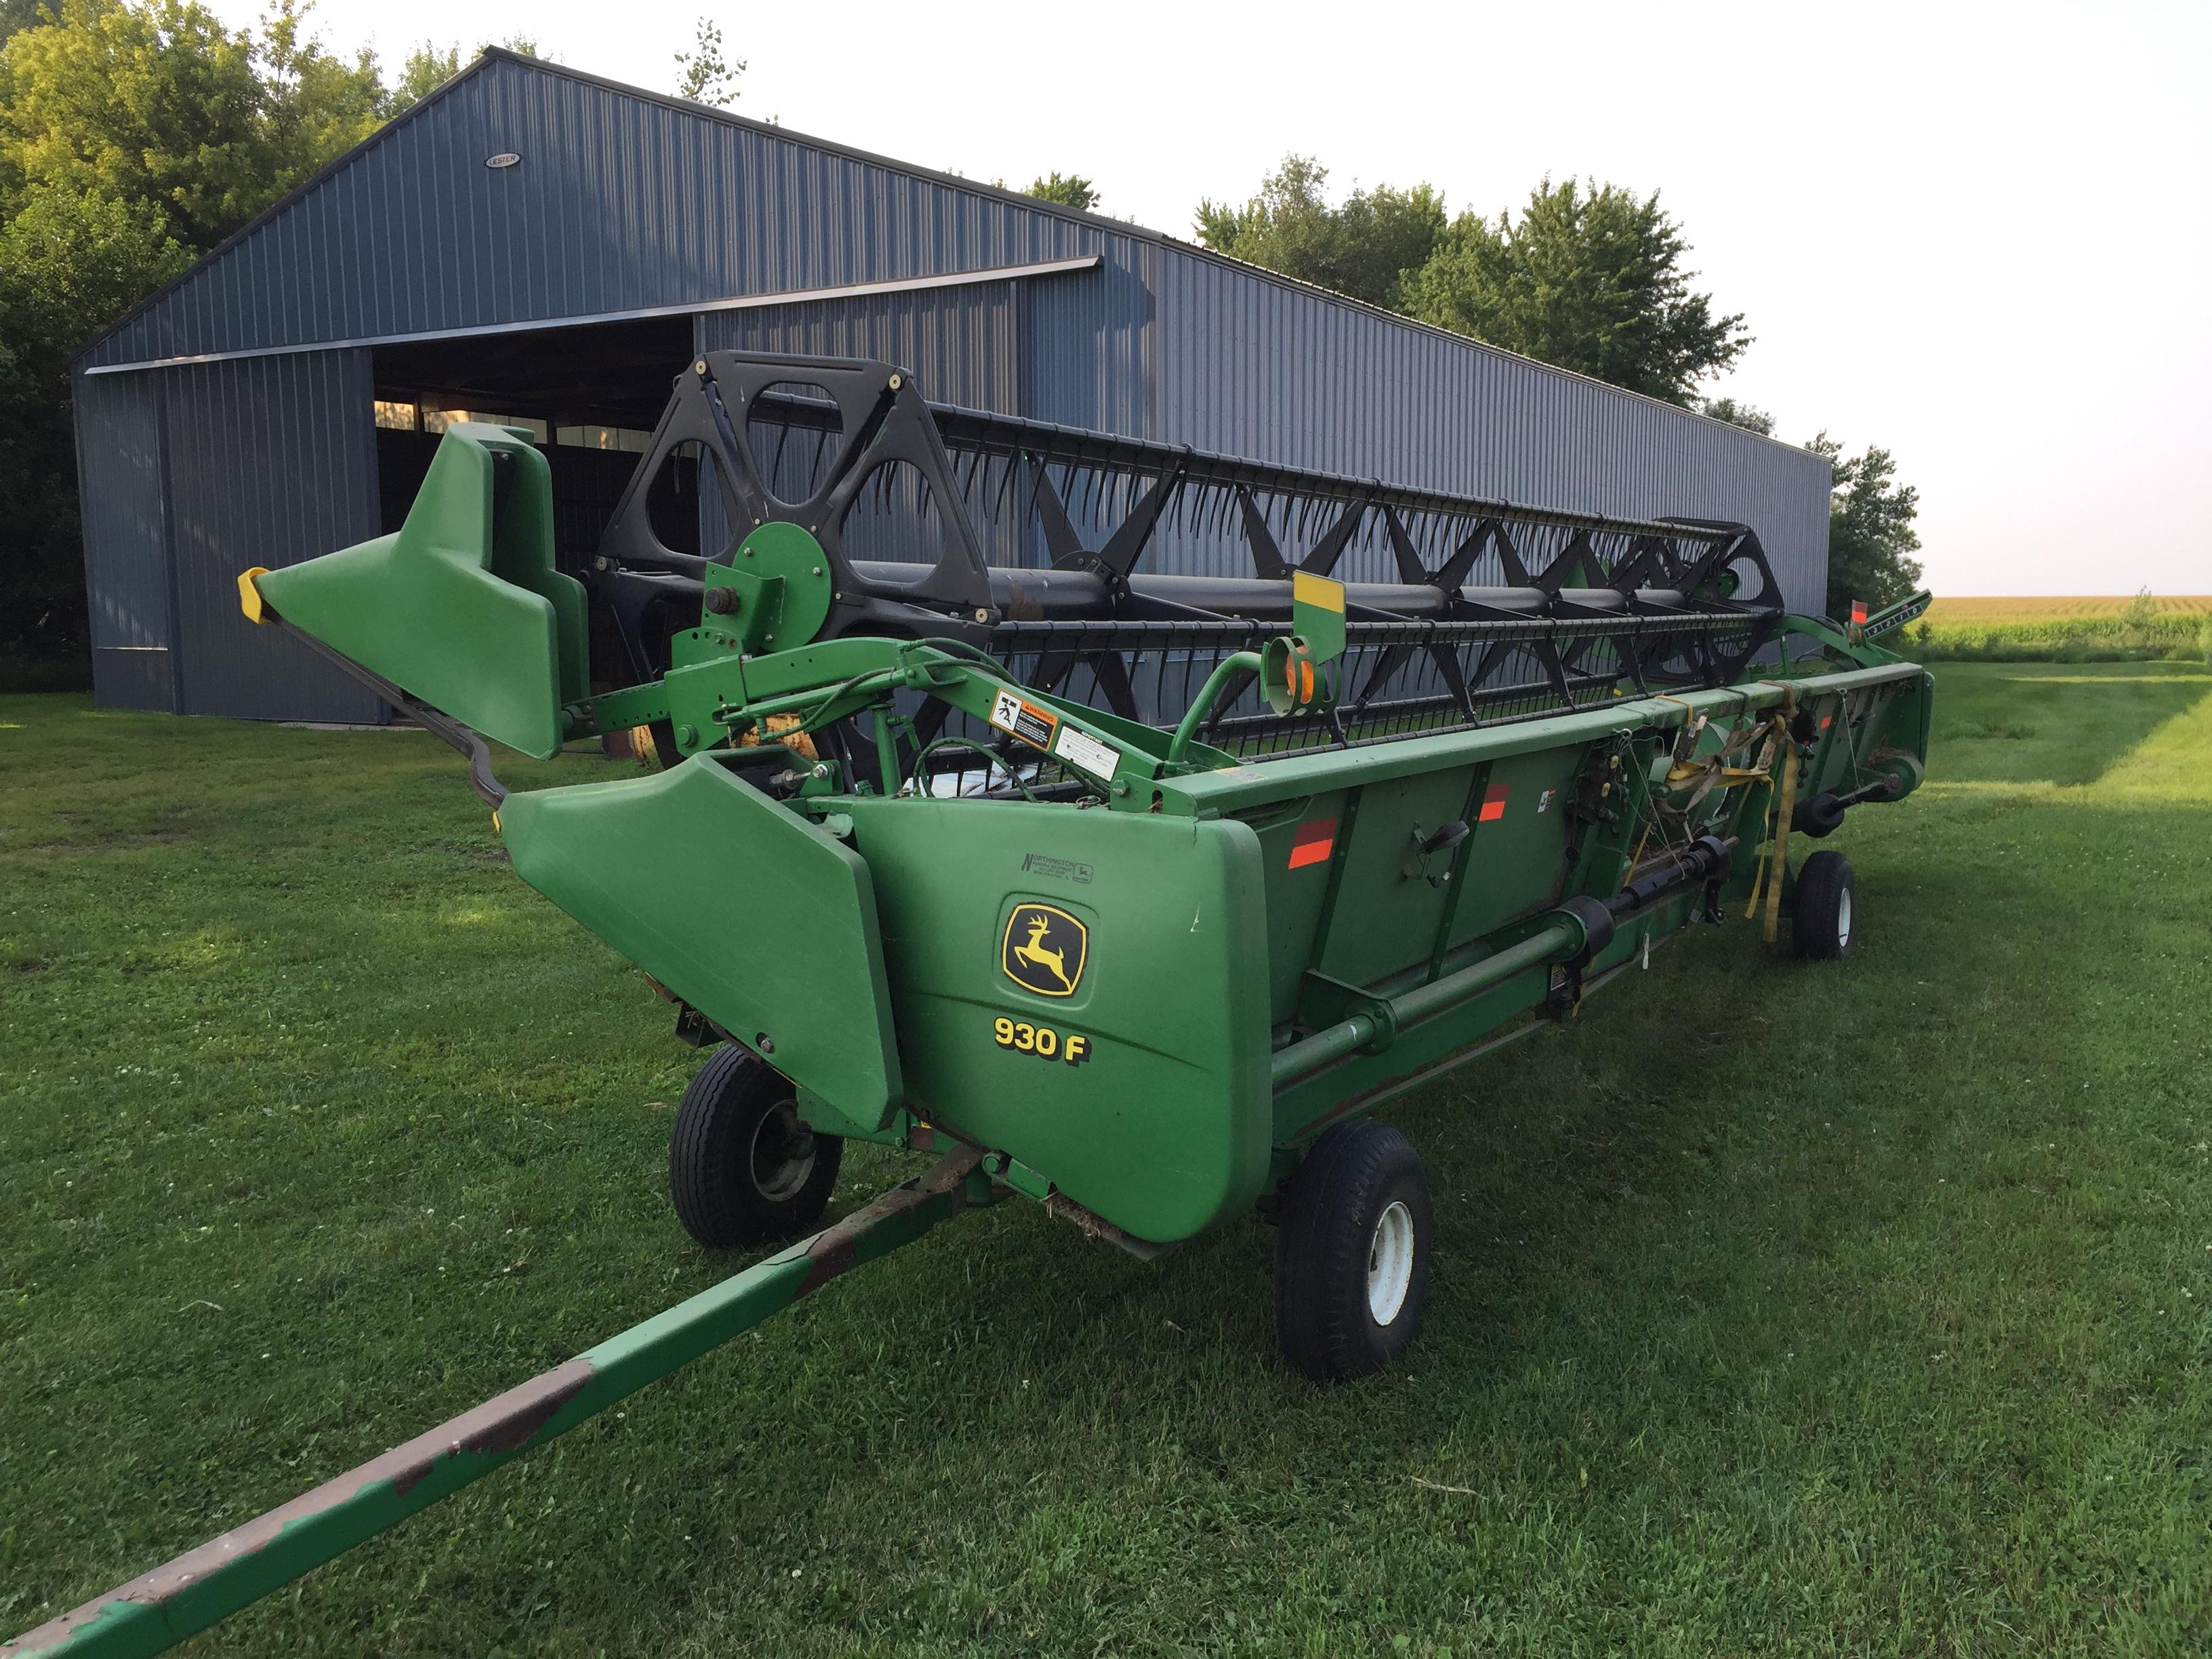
(505, 1424)
(833, 1249)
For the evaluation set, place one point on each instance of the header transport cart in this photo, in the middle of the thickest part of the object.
(1130, 893)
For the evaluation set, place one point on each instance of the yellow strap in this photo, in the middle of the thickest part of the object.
(1637, 857)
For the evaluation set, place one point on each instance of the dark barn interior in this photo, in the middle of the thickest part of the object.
(592, 394)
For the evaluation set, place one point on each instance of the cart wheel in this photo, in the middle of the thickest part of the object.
(743, 1166)
(1352, 1259)
(1820, 926)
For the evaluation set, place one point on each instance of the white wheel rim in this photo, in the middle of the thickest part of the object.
(1842, 918)
(777, 1175)
(1390, 1262)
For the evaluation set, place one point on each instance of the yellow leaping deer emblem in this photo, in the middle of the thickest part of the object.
(1034, 953)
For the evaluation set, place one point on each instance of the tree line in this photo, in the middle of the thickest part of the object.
(1587, 277)
(137, 135)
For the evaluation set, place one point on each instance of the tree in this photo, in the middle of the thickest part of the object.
(1072, 190)
(426, 70)
(1737, 414)
(159, 107)
(429, 67)
(16, 15)
(1870, 516)
(68, 264)
(1369, 247)
(708, 78)
(1589, 278)
(134, 136)
(1870, 534)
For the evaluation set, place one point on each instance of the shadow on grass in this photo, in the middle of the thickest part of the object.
(2061, 724)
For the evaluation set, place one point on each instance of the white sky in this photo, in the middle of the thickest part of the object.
(1978, 235)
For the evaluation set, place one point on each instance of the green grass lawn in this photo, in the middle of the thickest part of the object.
(1777, 1307)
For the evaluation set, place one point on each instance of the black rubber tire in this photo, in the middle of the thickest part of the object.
(1820, 919)
(729, 1187)
(1332, 1211)
(663, 746)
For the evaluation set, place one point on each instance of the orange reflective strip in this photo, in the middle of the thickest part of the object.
(1313, 843)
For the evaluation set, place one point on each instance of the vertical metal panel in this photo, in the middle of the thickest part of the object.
(271, 460)
(621, 201)
(1251, 366)
(962, 344)
(118, 437)
(1088, 345)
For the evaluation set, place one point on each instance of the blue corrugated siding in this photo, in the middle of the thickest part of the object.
(271, 460)
(1089, 343)
(619, 203)
(118, 441)
(1250, 366)
(962, 345)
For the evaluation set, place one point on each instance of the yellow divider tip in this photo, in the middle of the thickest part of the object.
(249, 596)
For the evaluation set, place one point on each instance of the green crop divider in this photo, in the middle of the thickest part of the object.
(462, 606)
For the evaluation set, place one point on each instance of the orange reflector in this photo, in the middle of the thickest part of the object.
(1858, 612)
(1493, 804)
(1313, 843)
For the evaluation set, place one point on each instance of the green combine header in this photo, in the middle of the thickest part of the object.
(977, 831)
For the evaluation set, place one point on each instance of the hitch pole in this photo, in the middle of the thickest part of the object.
(157, 1610)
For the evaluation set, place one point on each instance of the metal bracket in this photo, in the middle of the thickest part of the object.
(1427, 845)
(1324, 1002)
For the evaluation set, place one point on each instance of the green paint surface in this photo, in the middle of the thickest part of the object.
(462, 607)
(742, 907)
(1164, 1125)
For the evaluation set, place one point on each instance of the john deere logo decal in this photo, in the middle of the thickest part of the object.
(1043, 950)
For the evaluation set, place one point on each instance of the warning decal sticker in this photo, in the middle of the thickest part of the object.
(1099, 759)
(1032, 725)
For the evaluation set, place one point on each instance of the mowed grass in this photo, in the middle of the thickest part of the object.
(1777, 1307)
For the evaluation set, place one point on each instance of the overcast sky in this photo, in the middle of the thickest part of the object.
(1979, 236)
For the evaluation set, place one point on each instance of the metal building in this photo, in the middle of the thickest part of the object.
(537, 243)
